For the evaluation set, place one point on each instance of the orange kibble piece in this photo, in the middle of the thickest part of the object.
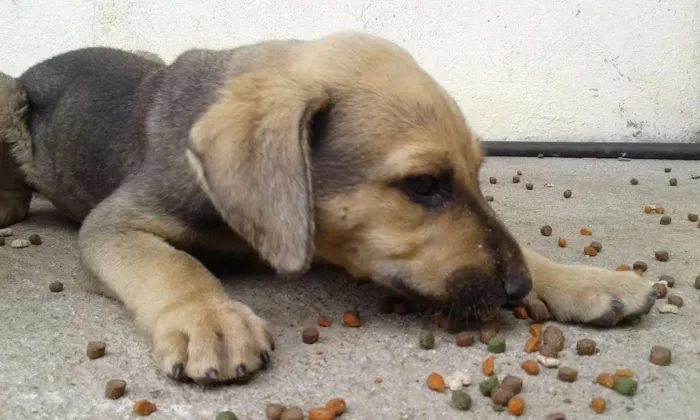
(531, 367)
(516, 406)
(436, 382)
(623, 267)
(487, 366)
(561, 242)
(598, 404)
(336, 405)
(351, 319)
(321, 414)
(626, 373)
(659, 210)
(533, 345)
(606, 380)
(648, 209)
(536, 330)
(378, 380)
(590, 251)
(585, 232)
(520, 312)
(323, 321)
(144, 408)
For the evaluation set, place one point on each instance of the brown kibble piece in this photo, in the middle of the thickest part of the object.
(464, 339)
(487, 367)
(549, 350)
(493, 180)
(536, 330)
(502, 395)
(436, 382)
(115, 389)
(693, 217)
(567, 194)
(546, 230)
(590, 251)
(516, 179)
(321, 414)
(35, 239)
(95, 349)
(144, 408)
(530, 367)
(323, 321)
(516, 406)
(660, 356)
(640, 265)
(533, 345)
(625, 373)
(585, 232)
(520, 312)
(598, 404)
(274, 411)
(586, 347)
(56, 287)
(661, 255)
(489, 329)
(623, 267)
(292, 413)
(512, 383)
(561, 243)
(336, 405)
(596, 245)
(665, 220)
(309, 335)
(606, 380)
(351, 319)
(554, 336)
(567, 374)
(673, 182)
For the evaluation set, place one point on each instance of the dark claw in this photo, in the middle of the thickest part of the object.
(241, 371)
(212, 374)
(177, 370)
(265, 358)
(617, 305)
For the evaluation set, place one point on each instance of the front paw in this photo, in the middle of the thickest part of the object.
(591, 295)
(211, 340)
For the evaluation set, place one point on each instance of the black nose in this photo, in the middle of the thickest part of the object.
(517, 281)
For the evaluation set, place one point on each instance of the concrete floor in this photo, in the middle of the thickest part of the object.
(45, 373)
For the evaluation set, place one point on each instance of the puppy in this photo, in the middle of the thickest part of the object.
(340, 148)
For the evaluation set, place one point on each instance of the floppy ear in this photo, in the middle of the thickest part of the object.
(251, 153)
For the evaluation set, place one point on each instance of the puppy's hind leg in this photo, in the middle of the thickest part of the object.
(15, 194)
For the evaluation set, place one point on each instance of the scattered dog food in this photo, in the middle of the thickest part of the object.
(586, 347)
(623, 267)
(548, 362)
(530, 367)
(19, 243)
(585, 232)
(697, 282)
(487, 366)
(660, 355)
(556, 416)
(351, 319)
(596, 245)
(540, 156)
(497, 344)
(56, 287)
(625, 373)
(488, 330)
(436, 382)
(634, 181)
(501, 396)
(274, 411)
(692, 217)
(567, 194)
(590, 251)
(675, 300)
(323, 321)
(498, 408)
(529, 186)
(668, 309)
(95, 349)
(321, 414)
(626, 386)
(561, 243)
(144, 408)
(426, 340)
(461, 400)
(661, 289)
(536, 330)
(554, 336)
(661, 255)
(520, 312)
(673, 182)
(546, 230)
(667, 170)
(533, 345)
(457, 380)
(516, 406)
(493, 180)
(567, 374)
(648, 209)
(309, 335)
(516, 179)
(598, 404)
(35, 239)
(607, 380)
(226, 415)
(549, 350)
(489, 198)
(292, 413)
(6, 232)
(487, 386)
(464, 339)
(115, 389)
(512, 383)
(665, 220)
(640, 265)
(670, 281)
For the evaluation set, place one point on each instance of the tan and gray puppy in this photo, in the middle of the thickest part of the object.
(340, 148)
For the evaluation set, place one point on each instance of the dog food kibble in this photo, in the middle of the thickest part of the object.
(675, 300)
(426, 340)
(598, 404)
(533, 344)
(567, 194)
(555, 416)
(546, 230)
(661, 289)
(115, 389)
(520, 312)
(336, 405)
(489, 329)
(144, 408)
(6, 232)
(667, 170)
(351, 319)
(530, 367)
(660, 210)
(489, 198)
(516, 179)
(516, 406)
(309, 335)
(596, 245)
(623, 267)
(513, 383)
(529, 186)
(95, 349)
(567, 374)
(497, 344)
(665, 220)
(648, 209)
(274, 411)
(660, 355)
(625, 373)
(606, 380)
(670, 281)
(540, 156)
(586, 347)
(321, 414)
(634, 181)
(493, 180)
(697, 282)
(626, 386)
(19, 243)
(226, 415)
(661, 256)
(590, 251)
(501, 395)
(487, 386)
(464, 339)
(487, 366)
(585, 232)
(554, 336)
(640, 265)
(35, 239)
(548, 362)
(56, 287)
(561, 243)
(436, 382)
(668, 309)
(292, 413)
(673, 182)
(692, 217)
(461, 400)
(323, 321)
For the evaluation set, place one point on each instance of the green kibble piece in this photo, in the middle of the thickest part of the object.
(497, 344)
(540, 156)
(625, 386)
(226, 415)
(499, 408)
(426, 340)
(461, 400)
(567, 194)
(488, 385)
(692, 217)
(529, 186)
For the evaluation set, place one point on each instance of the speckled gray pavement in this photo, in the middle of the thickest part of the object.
(44, 372)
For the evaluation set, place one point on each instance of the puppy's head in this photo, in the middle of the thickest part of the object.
(345, 148)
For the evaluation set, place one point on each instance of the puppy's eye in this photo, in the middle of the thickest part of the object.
(431, 191)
